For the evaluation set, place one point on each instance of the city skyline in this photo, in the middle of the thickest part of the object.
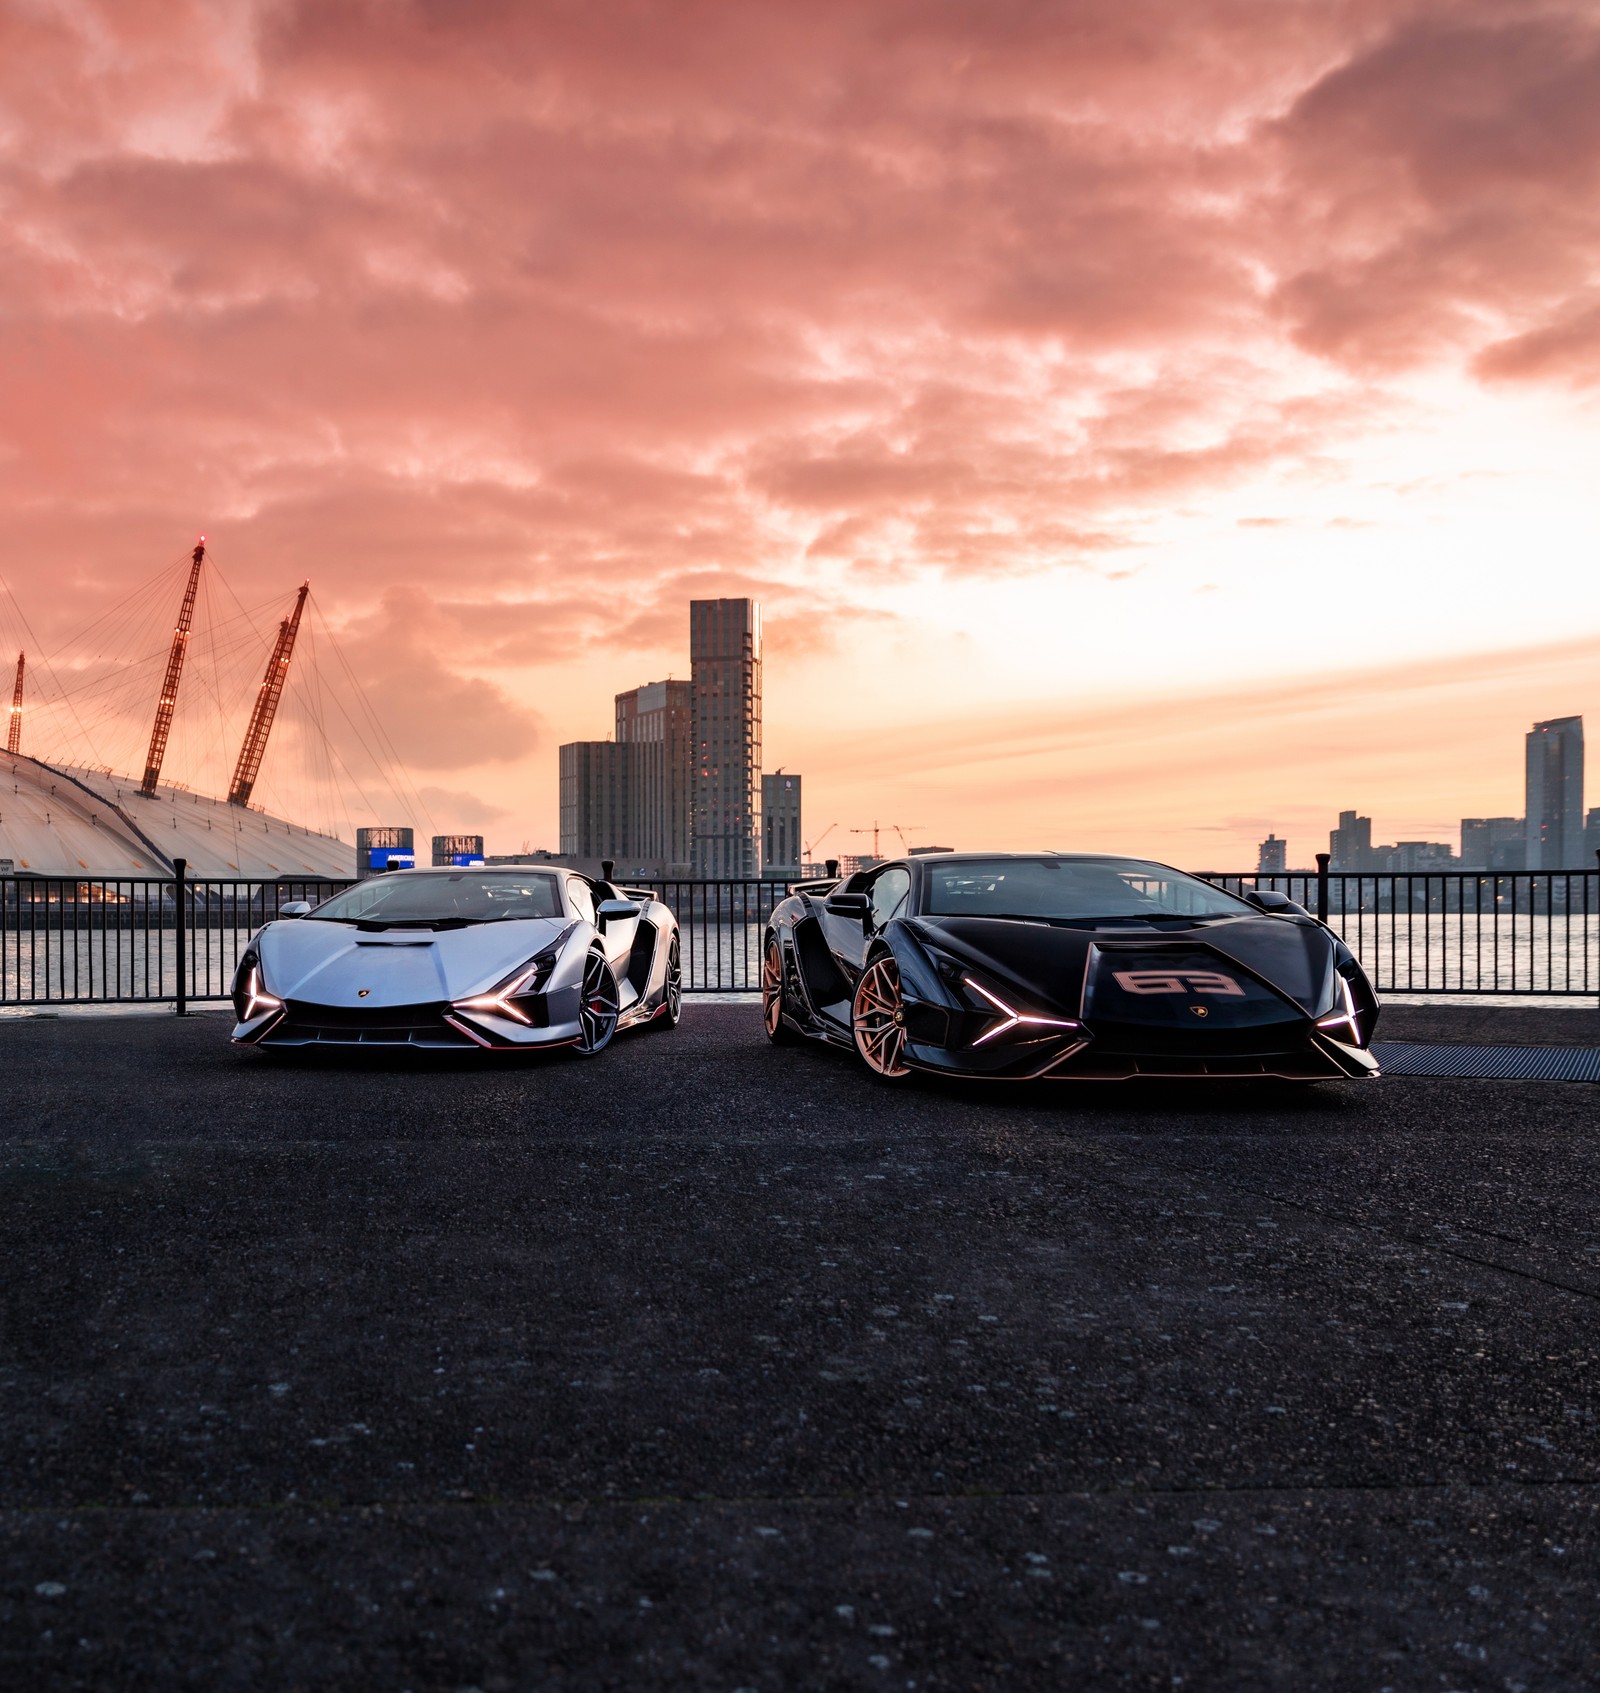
(1177, 501)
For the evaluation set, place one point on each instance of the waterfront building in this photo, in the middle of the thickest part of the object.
(725, 671)
(1492, 843)
(1555, 794)
(1272, 857)
(1350, 845)
(657, 721)
(1591, 837)
(780, 825)
(596, 809)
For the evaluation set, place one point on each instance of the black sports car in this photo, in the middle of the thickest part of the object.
(1019, 965)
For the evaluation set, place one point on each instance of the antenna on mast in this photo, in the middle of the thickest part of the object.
(168, 702)
(266, 707)
(14, 727)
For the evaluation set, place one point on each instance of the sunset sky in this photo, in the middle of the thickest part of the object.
(1145, 424)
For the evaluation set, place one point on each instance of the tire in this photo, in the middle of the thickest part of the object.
(671, 1012)
(772, 1008)
(599, 1006)
(877, 1020)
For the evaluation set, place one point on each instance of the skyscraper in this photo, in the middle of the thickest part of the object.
(780, 825)
(1555, 794)
(596, 813)
(1350, 845)
(657, 722)
(725, 672)
(1272, 856)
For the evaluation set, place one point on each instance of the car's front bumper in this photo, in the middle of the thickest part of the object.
(442, 1027)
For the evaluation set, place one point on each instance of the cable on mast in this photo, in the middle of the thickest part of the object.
(266, 706)
(14, 727)
(168, 702)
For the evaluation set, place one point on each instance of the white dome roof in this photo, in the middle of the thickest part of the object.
(69, 820)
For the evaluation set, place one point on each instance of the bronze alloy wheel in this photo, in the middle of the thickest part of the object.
(672, 994)
(778, 1031)
(878, 1020)
(598, 1008)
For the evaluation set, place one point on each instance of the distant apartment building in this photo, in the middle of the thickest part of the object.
(1492, 843)
(1350, 845)
(657, 723)
(1555, 794)
(725, 671)
(780, 825)
(597, 800)
(1272, 857)
(1412, 858)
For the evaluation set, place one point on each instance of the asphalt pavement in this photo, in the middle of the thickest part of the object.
(706, 1365)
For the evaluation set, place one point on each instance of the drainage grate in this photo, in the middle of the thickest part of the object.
(1511, 1063)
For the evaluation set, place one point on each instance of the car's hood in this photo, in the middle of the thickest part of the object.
(1294, 954)
(336, 964)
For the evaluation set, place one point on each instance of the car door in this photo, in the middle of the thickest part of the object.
(849, 938)
(617, 935)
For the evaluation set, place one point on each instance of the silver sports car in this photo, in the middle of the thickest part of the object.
(505, 959)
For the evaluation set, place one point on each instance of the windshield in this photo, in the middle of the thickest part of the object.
(1066, 888)
(455, 897)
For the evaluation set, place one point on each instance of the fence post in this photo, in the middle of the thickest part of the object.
(1323, 861)
(180, 930)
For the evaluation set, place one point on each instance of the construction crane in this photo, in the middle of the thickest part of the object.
(14, 727)
(811, 846)
(168, 702)
(266, 708)
(902, 830)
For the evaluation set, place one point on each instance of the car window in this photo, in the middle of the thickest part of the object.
(888, 894)
(453, 896)
(582, 900)
(1071, 888)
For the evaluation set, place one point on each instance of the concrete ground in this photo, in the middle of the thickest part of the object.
(708, 1365)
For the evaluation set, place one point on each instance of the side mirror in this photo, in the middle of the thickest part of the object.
(614, 911)
(848, 905)
(295, 908)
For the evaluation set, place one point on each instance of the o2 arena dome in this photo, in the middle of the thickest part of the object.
(68, 817)
(67, 820)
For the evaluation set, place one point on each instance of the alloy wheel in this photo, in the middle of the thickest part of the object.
(878, 1020)
(599, 1007)
(778, 1031)
(672, 995)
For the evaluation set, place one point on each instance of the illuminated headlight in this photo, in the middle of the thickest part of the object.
(1343, 1016)
(526, 983)
(250, 997)
(1009, 1017)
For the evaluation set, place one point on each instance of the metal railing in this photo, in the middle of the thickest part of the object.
(97, 940)
(1455, 931)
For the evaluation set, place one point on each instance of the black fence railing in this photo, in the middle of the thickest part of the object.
(98, 940)
(1456, 931)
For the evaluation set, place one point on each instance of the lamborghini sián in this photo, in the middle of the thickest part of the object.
(504, 959)
(1022, 965)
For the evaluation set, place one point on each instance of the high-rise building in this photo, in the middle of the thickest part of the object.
(1492, 843)
(1591, 837)
(657, 722)
(1555, 794)
(725, 670)
(1272, 857)
(1350, 845)
(780, 825)
(596, 809)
